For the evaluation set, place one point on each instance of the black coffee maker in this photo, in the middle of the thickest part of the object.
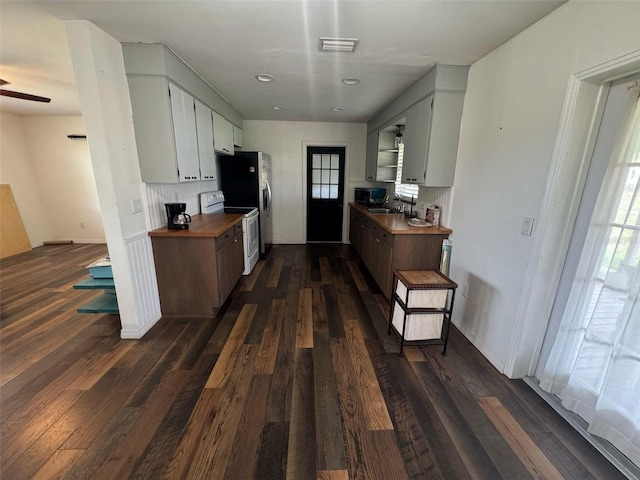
(176, 218)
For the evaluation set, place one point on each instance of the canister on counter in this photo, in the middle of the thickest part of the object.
(436, 216)
(433, 215)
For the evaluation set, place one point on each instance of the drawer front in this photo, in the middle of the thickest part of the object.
(225, 239)
(237, 229)
(382, 234)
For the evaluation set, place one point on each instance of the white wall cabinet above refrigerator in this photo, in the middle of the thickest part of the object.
(222, 135)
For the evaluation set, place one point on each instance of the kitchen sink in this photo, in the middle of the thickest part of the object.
(379, 210)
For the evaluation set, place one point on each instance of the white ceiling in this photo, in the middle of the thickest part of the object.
(228, 42)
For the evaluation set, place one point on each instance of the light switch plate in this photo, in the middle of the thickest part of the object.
(136, 205)
(527, 226)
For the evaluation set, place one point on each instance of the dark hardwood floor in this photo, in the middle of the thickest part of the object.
(295, 378)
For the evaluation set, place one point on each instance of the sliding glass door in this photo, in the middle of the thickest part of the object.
(591, 355)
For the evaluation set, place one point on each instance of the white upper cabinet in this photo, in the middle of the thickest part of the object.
(432, 131)
(371, 165)
(382, 153)
(416, 140)
(185, 133)
(222, 135)
(204, 124)
(165, 130)
(432, 111)
(174, 133)
(237, 136)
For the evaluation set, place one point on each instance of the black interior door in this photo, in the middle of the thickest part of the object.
(325, 193)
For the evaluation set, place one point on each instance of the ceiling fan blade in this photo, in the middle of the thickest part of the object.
(24, 96)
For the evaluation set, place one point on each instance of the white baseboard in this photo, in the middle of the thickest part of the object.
(138, 333)
(484, 350)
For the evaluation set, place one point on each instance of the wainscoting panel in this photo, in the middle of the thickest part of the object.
(143, 275)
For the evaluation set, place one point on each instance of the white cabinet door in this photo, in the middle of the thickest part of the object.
(222, 135)
(155, 141)
(371, 165)
(237, 136)
(431, 140)
(416, 142)
(204, 124)
(445, 134)
(185, 133)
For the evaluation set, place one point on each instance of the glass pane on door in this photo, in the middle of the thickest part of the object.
(325, 176)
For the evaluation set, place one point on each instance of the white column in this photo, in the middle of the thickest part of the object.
(106, 108)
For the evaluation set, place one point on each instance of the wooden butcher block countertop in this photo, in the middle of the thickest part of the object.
(208, 225)
(398, 224)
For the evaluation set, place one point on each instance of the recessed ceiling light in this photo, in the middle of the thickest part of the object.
(337, 109)
(327, 44)
(278, 107)
(264, 77)
(351, 81)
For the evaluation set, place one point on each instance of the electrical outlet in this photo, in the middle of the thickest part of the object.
(527, 226)
(464, 290)
(136, 205)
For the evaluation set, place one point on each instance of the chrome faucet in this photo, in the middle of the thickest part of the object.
(398, 206)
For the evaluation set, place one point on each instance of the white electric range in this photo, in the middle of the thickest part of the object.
(213, 202)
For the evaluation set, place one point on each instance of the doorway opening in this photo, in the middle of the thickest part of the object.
(325, 193)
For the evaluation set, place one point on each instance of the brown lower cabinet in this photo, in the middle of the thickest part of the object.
(383, 252)
(197, 274)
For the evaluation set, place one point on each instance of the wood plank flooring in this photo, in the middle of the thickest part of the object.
(295, 378)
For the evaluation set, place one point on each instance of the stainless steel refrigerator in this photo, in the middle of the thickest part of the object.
(244, 179)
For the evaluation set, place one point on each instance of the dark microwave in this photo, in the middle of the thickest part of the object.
(368, 196)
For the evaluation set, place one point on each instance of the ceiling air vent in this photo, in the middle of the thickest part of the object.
(327, 44)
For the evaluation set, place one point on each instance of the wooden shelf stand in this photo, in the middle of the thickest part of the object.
(421, 306)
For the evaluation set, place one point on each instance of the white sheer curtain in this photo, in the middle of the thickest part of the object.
(594, 365)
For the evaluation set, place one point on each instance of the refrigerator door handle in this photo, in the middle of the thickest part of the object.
(268, 198)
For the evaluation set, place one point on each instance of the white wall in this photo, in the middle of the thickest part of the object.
(510, 123)
(285, 142)
(64, 177)
(16, 169)
(50, 174)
